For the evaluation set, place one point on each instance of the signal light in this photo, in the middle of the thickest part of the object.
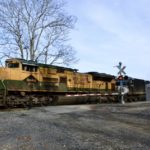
(120, 77)
(125, 77)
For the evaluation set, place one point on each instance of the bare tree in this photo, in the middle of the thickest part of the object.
(36, 30)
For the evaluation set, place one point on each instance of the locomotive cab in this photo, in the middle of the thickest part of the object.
(11, 64)
(21, 64)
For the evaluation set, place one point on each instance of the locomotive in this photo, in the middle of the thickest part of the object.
(24, 82)
(136, 88)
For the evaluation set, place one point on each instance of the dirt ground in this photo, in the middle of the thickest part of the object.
(77, 127)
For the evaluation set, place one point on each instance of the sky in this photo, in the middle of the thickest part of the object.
(110, 31)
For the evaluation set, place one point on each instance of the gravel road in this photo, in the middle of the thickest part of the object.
(77, 127)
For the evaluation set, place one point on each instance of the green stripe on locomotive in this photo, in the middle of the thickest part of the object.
(16, 85)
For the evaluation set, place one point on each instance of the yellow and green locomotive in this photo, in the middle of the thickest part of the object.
(25, 82)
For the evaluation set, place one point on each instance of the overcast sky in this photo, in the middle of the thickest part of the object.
(109, 31)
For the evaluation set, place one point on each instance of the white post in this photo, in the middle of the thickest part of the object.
(121, 92)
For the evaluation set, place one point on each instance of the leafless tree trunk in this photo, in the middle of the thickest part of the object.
(36, 30)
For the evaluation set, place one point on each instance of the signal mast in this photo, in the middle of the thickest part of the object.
(121, 78)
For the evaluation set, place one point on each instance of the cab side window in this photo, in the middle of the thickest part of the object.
(29, 68)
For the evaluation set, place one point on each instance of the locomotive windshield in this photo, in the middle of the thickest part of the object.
(11, 64)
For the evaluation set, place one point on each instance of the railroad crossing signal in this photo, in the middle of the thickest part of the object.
(121, 77)
(121, 69)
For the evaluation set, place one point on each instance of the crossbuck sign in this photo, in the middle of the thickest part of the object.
(121, 69)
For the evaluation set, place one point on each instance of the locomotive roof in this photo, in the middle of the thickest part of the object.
(35, 63)
(103, 76)
(23, 61)
(56, 67)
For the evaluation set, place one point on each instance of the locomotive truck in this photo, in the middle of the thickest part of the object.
(24, 83)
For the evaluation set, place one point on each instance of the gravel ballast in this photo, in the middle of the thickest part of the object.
(77, 127)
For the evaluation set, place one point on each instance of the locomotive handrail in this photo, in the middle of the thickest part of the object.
(5, 90)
